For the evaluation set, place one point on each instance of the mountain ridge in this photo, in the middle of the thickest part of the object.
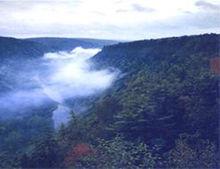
(35, 47)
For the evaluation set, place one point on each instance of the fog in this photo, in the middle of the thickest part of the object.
(72, 75)
(55, 78)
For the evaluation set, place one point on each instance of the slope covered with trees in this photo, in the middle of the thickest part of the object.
(166, 96)
(167, 87)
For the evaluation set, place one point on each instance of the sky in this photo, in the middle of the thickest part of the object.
(108, 19)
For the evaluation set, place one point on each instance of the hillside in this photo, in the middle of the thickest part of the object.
(146, 52)
(167, 91)
(167, 88)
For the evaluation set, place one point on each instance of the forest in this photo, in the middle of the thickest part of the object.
(162, 111)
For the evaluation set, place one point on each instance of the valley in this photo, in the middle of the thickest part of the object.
(86, 103)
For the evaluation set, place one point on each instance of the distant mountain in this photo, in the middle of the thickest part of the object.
(17, 48)
(35, 47)
(67, 44)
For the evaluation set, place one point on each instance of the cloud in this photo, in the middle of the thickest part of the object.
(20, 100)
(139, 8)
(135, 8)
(208, 5)
(115, 19)
(72, 75)
(121, 10)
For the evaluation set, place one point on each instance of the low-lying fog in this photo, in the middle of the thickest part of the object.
(55, 77)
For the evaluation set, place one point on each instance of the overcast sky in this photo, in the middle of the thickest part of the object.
(108, 19)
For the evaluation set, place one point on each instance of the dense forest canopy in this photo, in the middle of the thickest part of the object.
(161, 112)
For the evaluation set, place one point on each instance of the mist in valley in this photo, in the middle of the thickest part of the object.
(50, 81)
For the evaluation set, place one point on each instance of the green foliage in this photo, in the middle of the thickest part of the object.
(43, 154)
(201, 154)
(18, 136)
(117, 153)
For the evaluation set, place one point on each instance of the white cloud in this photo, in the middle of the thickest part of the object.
(71, 75)
(111, 19)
